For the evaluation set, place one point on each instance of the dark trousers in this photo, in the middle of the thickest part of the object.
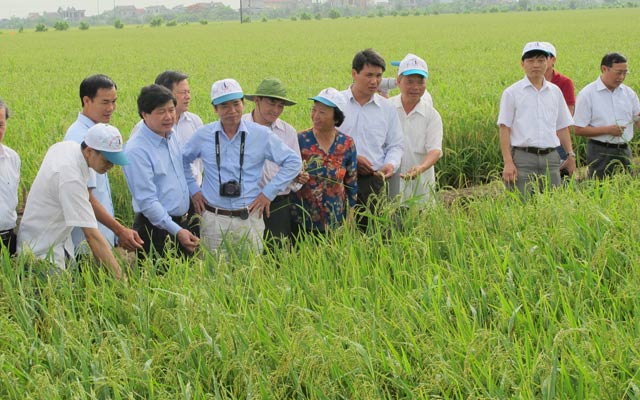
(278, 226)
(604, 160)
(159, 241)
(371, 193)
(9, 241)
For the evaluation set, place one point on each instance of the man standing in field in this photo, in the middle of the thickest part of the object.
(231, 201)
(372, 121)
(422, 128)
(9, 180)
(156, 178)
(605, 113)
(270, 100)
(98, 96)
(534, 119)
(59, 198)
(186, 122)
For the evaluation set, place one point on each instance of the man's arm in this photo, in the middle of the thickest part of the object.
(427, 162)
(509, 173)
(394, 145)
(102, 251)
(590, 131)
(565, 141)
(128, 239)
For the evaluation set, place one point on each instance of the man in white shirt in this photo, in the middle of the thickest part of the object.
(372, 121)
(606, 110)
(59, 199)
(534, 119)
(9, 180)
(422, 128)
(270, 100)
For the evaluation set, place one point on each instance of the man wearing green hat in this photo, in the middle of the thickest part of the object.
(270, 99)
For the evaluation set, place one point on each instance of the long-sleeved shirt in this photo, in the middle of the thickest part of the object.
(260, 145)
(156, 178)
(9, 179)
(375, 128)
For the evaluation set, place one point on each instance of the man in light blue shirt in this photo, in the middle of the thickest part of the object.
(98, 95)
(156, 178)
(233, 152)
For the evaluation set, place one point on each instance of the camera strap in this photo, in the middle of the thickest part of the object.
(242, 139)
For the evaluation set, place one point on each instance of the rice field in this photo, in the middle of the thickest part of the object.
(488, 298)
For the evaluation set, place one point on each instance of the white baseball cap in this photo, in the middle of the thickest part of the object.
(550, 48)
(535, 46)
(225, 90)
(107, 140)
(412, 65)
(331, 97)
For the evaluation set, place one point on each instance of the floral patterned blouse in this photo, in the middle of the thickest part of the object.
(322, 201)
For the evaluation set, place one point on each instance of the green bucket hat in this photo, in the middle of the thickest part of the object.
(271, 87)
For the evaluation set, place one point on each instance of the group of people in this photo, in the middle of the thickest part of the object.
(243, 180)
(537, 112)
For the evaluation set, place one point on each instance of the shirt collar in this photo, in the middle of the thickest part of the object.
(84, 120)
(3, 153)
(527, 82)
(601, 86)
(420, 107)
(152, 136)
(374, 99)
(241, 128)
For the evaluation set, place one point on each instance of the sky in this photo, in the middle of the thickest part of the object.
(22, 8)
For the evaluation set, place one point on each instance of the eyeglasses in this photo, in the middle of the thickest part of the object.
(619, 72)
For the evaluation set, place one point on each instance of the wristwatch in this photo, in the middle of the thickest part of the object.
(571, 154)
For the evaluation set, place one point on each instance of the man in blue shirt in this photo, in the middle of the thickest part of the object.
(233, 152)
(98, 96)
(156, 178)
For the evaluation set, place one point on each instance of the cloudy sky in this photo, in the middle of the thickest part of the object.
(21, 8)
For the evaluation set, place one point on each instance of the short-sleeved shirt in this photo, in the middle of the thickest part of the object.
(566, 86)
(333, 182)
(422, 129)
(375, 128)
(99, 184)
(534, 116)
(58, 201)
(9, 180)
(289, 136)
(598, 106)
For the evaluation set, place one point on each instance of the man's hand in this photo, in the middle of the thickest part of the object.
(614, 130)
(365, 167)
(386, 171)
(411, 174)
(302, 178)
(569, 164)
(188, 240)
(510, 173)
(129, 239)
(198, 202)
(260, 205)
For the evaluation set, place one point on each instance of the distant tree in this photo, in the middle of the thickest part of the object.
(264, 19)
(41, 28)
(173, 22)
(118, 24)
(293, 18)
(156, 21)
(84, 26)
(246, 20)
(334, 14)
(204, 22)
(21, 29)
(523, 5)
(305, 16)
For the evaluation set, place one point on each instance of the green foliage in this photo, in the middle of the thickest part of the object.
(246, 19)
(41, 28)
(83, 26)
(305, 16)
(204, 22)
(61, 26)
(118, 24)
(173, 22)
(264, 19)
(21, 29)
(293, 18)
(317, 16)
(334, 13)
(156, 22)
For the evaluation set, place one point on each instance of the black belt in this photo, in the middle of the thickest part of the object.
(610, 145)
(536, 150)
(282, 197)
(242, 213)
(6, 234)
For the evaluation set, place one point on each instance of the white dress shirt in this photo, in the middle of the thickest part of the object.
(375, 128)
(533, 115)
(598, 106)
(9, 180)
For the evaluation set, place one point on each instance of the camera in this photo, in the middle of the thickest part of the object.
(230, 189)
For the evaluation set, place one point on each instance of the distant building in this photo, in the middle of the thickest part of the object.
(71, 14)
(278, 4)
(155, 10)
(126, 11)
(202, 7)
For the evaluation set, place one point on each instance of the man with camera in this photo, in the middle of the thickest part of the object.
(234, 151)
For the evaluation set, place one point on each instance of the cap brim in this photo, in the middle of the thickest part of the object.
(227, 97)
(287, 102)
(117, 158)
(395, 63)
(415, 72)
(325, 101)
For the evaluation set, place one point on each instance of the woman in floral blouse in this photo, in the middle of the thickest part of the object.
(329, 156)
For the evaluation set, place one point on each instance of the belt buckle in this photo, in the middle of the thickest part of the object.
(244, 214)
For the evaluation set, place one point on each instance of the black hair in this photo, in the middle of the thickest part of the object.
(534, 54)
(169, 79)
(90, 85)
(4, 106)
(612, 58)
(152, 97)
(370, 57)
(338, 116)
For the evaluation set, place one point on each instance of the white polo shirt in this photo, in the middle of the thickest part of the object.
(598, 106)
(533, 115)
(9, 180)
(58, 201)
(422, 129)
